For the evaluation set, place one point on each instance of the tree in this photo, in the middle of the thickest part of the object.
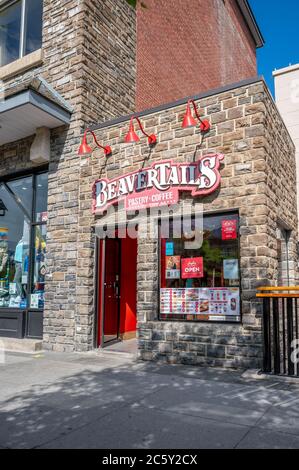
(133, 3)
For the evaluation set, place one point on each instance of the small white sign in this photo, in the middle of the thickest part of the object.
(231, 269)
(12, 288)
(34, 301)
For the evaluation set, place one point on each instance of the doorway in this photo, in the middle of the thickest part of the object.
(117, 291)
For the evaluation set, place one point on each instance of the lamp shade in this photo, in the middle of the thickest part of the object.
(131, 135)
(188, 120)
(84, 148)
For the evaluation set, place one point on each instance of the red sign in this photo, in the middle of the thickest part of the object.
(192, 268)
(229, 230)
(159, 184)
(151, 198)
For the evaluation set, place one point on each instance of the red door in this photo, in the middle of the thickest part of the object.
(110, 290)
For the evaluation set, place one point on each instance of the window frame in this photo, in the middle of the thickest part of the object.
(208, 322)
(23, 27)
(32, 223)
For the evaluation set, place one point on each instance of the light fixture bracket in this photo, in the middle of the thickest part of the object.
(132, 136)
(85, 148)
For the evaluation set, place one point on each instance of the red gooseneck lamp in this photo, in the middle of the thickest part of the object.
(132, 137)
(86, 149)
(189, 120)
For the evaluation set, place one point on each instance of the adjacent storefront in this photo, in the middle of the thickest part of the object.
(23, 229)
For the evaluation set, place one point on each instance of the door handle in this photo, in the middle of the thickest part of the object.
(115, 285)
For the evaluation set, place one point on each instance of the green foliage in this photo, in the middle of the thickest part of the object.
(133, 3)
(211, 255)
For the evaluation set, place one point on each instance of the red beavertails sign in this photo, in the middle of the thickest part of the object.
(159, 184)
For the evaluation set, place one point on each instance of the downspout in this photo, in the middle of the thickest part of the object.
(287, 239)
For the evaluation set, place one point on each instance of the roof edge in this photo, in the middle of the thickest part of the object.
(251, 22)
(33, 97)
(285, 70)
(173, 104)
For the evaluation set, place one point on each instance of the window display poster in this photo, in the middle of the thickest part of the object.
(42, 217)
(192, 268)
(225, 302)
(3, 233)
(34, 300)
(173, 267)
(169, 248)
(215, 304)
(229, 229)
(13, 288)
(231, 269)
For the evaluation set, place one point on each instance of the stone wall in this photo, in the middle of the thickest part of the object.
(89, 59)
(248, 130)
(15, 157)
(92, 31)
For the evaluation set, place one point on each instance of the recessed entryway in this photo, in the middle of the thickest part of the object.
(116, 286)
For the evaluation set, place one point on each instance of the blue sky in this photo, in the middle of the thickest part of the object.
(279, 24)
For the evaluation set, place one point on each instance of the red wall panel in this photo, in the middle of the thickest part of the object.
(128, 285)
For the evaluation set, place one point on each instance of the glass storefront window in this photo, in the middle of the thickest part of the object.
(41, 198)
(202, 283)
(23, 242)
(14, 251)
(23, 192)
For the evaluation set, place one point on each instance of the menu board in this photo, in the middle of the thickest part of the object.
(214, 303)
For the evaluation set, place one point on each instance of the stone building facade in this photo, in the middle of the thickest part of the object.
(86, 67)
(258, 181)
(85, 72)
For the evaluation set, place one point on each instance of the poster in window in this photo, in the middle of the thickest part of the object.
(34, 301)
(173, 267)
(229, 229)
(231, 269)
(214, 304)
(192, 268)
(224, 302)
(169, 248)
(13, 288)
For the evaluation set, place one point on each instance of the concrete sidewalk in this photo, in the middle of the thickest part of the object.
(99, 401)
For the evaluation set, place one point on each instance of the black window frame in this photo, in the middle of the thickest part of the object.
(208, 322)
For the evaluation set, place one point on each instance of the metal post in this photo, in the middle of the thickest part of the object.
(267, 338)
(276, 342)
(290, 334)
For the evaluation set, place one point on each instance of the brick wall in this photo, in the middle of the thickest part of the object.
(244, 128)
(185, 48)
